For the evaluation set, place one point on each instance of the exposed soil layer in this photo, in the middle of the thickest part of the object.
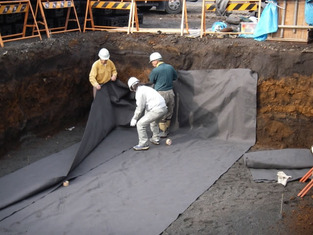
(44, 88)
(45, 83)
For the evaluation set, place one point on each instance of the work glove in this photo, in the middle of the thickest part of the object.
(133, 122)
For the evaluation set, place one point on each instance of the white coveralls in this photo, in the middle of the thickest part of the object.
(152, 104)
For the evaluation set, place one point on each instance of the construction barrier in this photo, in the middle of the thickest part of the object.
(183, 24)
(233, 5)
(130, 6)
(19, 7)
(46, 5)
(111, 5)
(291, 19)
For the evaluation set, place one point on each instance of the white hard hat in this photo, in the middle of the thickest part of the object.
(132, 81)
(155, 56)
(104, 54)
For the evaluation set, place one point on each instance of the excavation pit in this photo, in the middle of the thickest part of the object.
(45, 87)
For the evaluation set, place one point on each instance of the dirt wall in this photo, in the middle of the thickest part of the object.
(44, 84)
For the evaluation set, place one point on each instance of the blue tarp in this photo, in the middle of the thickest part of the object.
(218, 26)
(309, 12)
(268, 22)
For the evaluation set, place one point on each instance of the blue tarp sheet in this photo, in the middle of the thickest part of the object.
(268, 22)
(309, 12)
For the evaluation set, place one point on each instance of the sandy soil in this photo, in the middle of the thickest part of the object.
(234, 204)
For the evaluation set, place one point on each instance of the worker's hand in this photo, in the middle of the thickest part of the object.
(133, 122)
(98, 87)
(113, 78)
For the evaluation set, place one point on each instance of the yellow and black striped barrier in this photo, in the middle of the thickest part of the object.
(234, 7)
(57, 4)
(110, 5)
(23, 7)
(48, 5)
(13, 8)
(89, 23)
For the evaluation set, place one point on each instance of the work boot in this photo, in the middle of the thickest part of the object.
(153, 141)
(140, 148)
(163, 134)
(164, 128)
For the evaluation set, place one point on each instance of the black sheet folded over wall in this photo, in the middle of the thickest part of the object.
(105, 114)
(116, 190)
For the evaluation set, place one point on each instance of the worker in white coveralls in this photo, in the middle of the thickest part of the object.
(152, 106)
(162, 76)
(102, 71)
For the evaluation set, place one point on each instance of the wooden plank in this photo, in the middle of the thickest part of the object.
(147, 30)
(293, 26)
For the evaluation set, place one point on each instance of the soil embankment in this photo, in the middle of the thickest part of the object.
(44, 84)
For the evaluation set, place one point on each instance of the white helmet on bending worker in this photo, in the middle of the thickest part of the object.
(131, 82)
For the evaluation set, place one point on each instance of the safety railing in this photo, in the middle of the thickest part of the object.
(133, 22)
(292, 25)
(19, 7)
(90, 24)
(46, 5)
(183, 27)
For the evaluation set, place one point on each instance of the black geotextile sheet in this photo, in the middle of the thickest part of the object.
(116, 190)
(264, 165)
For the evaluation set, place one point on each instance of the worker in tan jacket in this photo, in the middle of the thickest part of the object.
(102, 71)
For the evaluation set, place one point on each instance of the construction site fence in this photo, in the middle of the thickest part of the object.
(13, 23)
(23, 8)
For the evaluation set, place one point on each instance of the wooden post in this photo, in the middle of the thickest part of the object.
(203, 26)
(130, 17)
(184, 22)
(1, 42)
(184, 18)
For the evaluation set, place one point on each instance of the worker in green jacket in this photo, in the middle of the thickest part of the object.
(162, 76)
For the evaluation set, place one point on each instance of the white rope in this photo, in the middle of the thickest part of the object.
(274, 3)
